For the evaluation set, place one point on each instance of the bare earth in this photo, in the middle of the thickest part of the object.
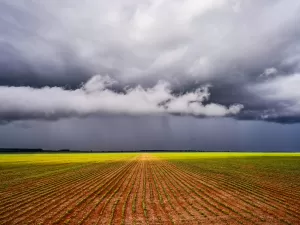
(147, 190)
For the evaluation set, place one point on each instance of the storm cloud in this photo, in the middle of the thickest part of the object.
(233, 58)
(94, 98)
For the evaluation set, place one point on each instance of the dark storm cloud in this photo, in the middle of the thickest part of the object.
(245, 50)
(151, 132)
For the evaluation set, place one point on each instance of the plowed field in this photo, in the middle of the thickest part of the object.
(146, 188)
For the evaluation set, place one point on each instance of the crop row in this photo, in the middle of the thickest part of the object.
(147, 190)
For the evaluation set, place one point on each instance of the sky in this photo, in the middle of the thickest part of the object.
(159, 74)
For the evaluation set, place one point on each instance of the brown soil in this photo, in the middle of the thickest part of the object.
(147, 190)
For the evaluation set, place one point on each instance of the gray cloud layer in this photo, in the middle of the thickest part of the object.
(284, 94)
(248, 51)
(151, 132)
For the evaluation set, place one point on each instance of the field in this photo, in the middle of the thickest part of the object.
(146, 188)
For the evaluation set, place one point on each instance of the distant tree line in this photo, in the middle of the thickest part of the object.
(40, 150)
(21, 150)
(33, 150)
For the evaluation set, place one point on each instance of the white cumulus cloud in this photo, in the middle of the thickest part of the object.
(95, 98)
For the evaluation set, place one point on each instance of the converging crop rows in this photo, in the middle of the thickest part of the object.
(145, 188)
